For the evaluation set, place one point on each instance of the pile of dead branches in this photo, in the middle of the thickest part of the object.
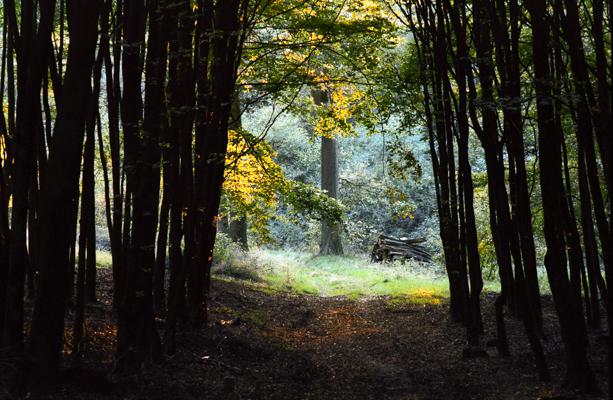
(389, 248)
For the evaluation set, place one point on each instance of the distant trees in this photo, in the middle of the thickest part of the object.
(319, 61)
(480, 77)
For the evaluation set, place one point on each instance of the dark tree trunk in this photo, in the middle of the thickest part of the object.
(506, 37)
(432, 54)
(498, 198)
(211, 143)
(180, 174)
(5, 136)
(84, 231)
(88, 207)
(475, 323)
(236, 221)
(113, 92)
(31, 45)
(60, 186)
(86, 269)
(237, 230)
(579, 372)
(138, 339)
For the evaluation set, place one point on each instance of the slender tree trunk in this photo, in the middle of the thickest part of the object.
(579, 372)
(113, 93)
(432, 54)
(212, 142)
(236, 222)
(509, 66)
(138, 339)
(159, 270)
(498, 199)
(330, 231)
(60, 186)
(330, 242)
(180, 102)
(31, 47)
(5, 136)
(475, 323)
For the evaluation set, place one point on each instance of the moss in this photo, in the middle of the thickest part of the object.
(258, 317)
(224, 310)
(422, 297)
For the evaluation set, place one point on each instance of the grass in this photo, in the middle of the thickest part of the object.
(289, 271)
(104, 259)
(352, 276)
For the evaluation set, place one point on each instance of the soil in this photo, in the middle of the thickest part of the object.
(261, 345)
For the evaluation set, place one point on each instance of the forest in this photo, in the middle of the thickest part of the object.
(306, 199)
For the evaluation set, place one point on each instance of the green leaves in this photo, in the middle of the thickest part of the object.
(312, 202)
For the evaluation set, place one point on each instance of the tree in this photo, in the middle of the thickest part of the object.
(554, 208)
(330, 231)
(60, 186)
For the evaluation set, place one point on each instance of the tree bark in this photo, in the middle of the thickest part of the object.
(31, 45)
(138, 339)
(212, 141)
(331, 243)
(60, 187)
(579, 373)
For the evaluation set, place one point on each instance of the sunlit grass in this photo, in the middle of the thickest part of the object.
(351, 276)
(104, 259)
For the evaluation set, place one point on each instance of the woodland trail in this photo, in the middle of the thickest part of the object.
(262, 345)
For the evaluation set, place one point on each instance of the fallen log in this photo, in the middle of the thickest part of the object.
(389, 248)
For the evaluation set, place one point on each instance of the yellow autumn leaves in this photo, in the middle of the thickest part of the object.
(252, 179)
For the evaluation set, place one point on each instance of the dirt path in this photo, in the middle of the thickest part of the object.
(281, 346)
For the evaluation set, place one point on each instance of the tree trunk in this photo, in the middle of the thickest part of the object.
(138, 339)
(474, 324)
(113, 93)
(579, 373)
(180, 104)
(237, 230)
(331, 243)
(212, 142)
(60, 187)
(159, 270)
(498, 198)
(32, 56)
(236, 222)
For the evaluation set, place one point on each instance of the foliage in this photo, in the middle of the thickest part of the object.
(252, 179)
(255, 184)
(312, 202)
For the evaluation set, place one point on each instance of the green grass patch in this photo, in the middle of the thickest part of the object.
(348, 275)
(104, 259)
(351, 276)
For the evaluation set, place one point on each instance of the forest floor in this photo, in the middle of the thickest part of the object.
(270, 345)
